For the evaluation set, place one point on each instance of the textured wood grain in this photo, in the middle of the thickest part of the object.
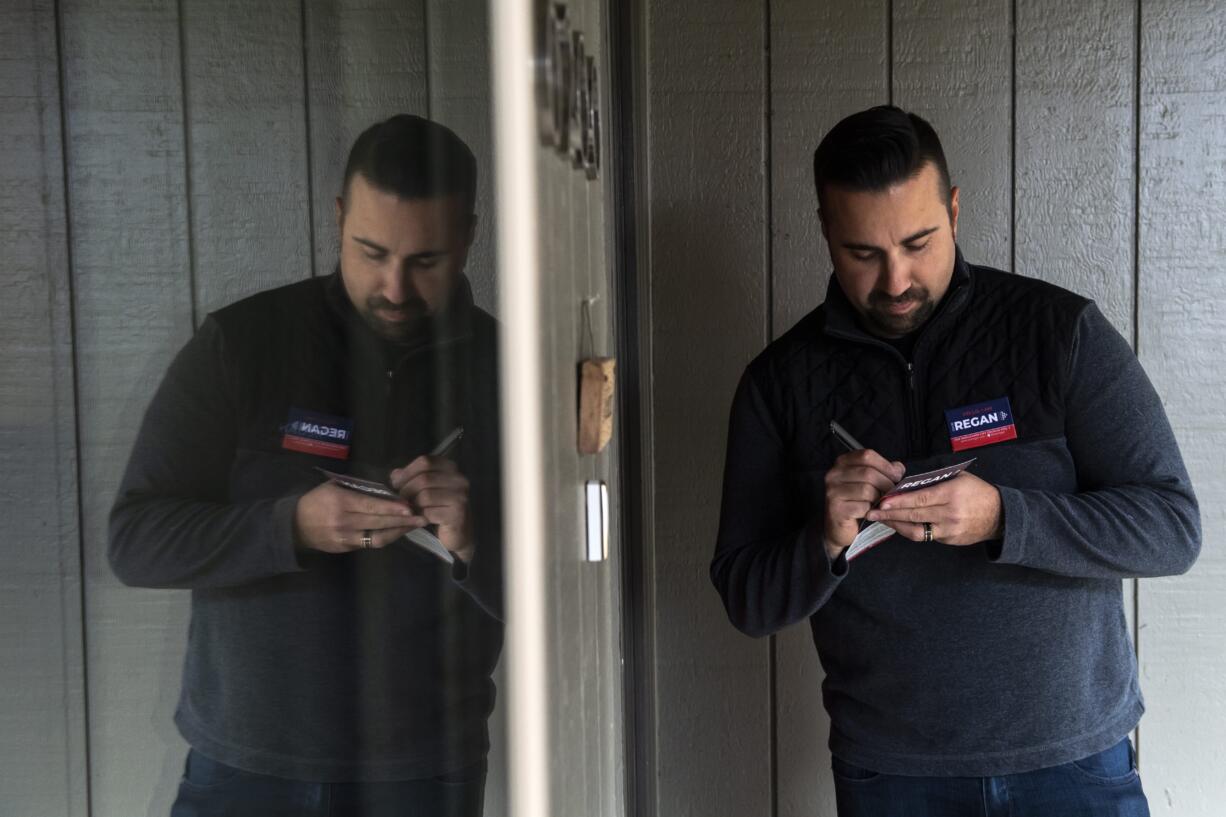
(1075, 163)
(952, 66)
(366, 60)
(132, 282)
(42, 706)
(828, 60)
(244, 94)
(1182, 326)
(1075, 149)
(459, 97)
(705, 103)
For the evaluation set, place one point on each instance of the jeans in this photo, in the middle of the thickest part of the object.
(212, 789)
(1101, 785)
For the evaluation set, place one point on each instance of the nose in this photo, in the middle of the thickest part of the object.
(895, 275)
(397, 284)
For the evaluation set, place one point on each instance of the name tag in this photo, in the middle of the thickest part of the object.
(320, 434)
(981, 424)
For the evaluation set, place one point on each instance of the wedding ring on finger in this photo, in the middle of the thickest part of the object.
(366, 540)
(927, 531)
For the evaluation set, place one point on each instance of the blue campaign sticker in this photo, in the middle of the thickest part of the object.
(980, 424)
(311, 432)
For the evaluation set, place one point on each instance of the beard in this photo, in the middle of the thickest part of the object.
(404, 321)
(892, 325)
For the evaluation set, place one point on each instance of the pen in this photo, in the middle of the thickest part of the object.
(841, 434)
(448, 443)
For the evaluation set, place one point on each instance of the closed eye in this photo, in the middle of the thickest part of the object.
(918, 247)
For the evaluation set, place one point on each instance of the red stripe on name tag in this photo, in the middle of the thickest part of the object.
(980, 438)
(336, 451)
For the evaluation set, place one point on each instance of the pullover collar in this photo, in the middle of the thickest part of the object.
(843, 321)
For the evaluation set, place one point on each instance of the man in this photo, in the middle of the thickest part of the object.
(333, 666)
(978, 661)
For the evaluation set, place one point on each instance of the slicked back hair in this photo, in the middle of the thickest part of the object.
(413, 158)
(875, 149)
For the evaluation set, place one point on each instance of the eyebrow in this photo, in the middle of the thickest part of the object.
(909, 239)
(380, 248)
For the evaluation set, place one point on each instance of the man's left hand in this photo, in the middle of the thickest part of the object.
(438, 491)
(962, 511)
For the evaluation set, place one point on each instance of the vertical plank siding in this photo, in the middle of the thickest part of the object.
(952, 64)
(42, 704)
(459, 97)
(365, 61)
(127, 189)
(1181, 327)
(705, 104)
(244, 94)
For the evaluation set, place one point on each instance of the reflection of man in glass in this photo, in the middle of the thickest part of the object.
(333, 666)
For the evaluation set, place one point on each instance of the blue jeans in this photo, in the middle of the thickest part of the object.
(212, 789)
(1101, 785)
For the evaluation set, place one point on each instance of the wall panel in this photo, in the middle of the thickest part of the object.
(952, 64)
(459, 97)
(706, 236)
(1076, 141)
(132, 279)
(1182, 633)
(365, 61)
(247, 130)
(42, 705)
(828, 60)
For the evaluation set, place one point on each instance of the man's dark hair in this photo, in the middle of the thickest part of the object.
(413, 158)
(872, 150)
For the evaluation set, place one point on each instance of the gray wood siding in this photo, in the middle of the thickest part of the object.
(1087, 142)
(41, 674)
(201, 147)
(707, 249)
(1180, 333)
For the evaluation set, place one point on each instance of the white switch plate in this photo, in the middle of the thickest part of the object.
(597, 521)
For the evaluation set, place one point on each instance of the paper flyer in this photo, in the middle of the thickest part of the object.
(421, 537)
(874, 533)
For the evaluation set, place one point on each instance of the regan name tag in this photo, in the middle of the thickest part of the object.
(981, 424)
(321, 434)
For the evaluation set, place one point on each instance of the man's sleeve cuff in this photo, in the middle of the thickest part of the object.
(836, 568)
(282, 543)
(1011, 547)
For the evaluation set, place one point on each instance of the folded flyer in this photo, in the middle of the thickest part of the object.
(421, 537)
(874, 533)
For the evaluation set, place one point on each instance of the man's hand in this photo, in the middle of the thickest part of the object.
(438, 491)
(962, 511)
(334, 519)
(857, 480)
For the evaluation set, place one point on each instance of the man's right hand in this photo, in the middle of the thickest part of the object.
(857, 481)
(334, 519)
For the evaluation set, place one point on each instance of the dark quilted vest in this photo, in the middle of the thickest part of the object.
(994, 335)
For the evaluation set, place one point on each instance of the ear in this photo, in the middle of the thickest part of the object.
(821, 217)
(340, 214)
(953, 211)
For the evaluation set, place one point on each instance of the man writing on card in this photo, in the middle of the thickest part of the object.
(978, 659)
(333, 666)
